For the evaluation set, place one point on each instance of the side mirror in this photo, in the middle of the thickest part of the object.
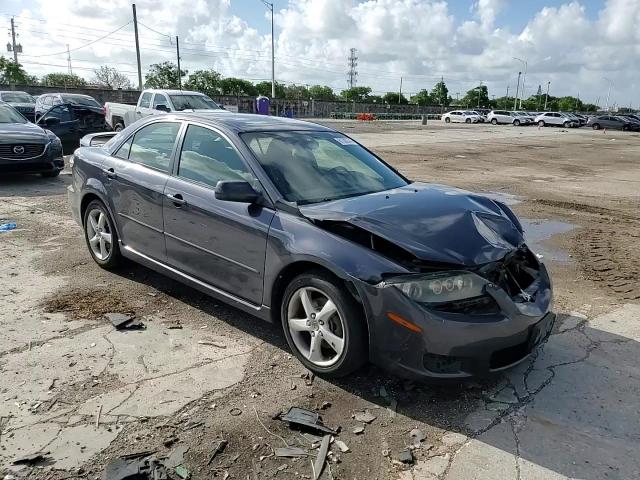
(51, 121)
(162, 108)
(236, 191)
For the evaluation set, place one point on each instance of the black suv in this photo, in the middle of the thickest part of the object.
(84, 109)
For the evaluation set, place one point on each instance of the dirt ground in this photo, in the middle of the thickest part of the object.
(79, 393)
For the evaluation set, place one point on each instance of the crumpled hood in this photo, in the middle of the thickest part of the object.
(22, 133)
(433, 222)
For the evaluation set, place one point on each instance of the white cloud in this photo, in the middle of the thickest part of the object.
(417, 39)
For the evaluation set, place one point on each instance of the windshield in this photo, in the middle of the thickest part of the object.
(193, 102)
(81, 100)
(17, 97)
(312, 167)
(470, 113)
(8, 114)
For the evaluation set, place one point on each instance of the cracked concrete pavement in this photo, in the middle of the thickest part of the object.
(571, 411)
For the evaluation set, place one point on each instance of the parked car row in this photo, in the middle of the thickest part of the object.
(630, 122)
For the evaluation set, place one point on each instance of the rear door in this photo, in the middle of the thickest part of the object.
(135, 177)
(61, 121)
(221, 243)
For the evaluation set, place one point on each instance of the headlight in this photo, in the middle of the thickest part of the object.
(440, 287)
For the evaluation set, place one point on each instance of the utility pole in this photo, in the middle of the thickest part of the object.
(400, 91)
(524, 62)
(179, 71)
(352, 62)
(479, 90)
(515, 100)
(69, 60)
(608, 92)
(506, 98)
(546, 96)
(269, 5)
(135, 29)
(13, 41)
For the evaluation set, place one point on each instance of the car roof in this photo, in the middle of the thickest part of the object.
(173, 92)
(247, 122)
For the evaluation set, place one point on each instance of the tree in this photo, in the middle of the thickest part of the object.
(264, 89)
(11, 72)
(357, 94)
(237, 86)
(62, 80)
(569, 104)
(392, 98)
(440, 93)
(318, 92)
(478, 96)
(422, 98)
(590, 107)
(296, 92)
(205, 81)
(110, 77)
(163, 75)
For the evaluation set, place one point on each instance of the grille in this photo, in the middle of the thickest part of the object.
(29, 150)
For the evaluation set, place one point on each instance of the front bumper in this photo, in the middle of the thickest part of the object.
(43, 164)
(452, 344)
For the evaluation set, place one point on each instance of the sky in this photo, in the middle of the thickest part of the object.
(586, 48)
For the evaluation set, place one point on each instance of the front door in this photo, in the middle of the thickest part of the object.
(221, 243)
(135, 177)
(61, 121)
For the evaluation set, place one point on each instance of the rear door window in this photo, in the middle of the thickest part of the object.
(145, 100)
(152, 145)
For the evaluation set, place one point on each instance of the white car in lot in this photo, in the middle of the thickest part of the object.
(557, 119)
(499, 116)
(461, 116)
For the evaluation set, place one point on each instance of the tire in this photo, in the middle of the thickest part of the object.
(494, 121)
(52, 174)
(516, 123)
(112, 256)
(119, 127)
(345, 323)
(566, 124)
(596, 126)
(447, 120)
(541, 123)
(625, 128)
(468, 120)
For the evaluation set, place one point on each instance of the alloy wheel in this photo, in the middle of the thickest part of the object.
(316, 326)
(99, 234)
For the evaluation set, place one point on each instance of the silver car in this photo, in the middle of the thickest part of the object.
(558, 119)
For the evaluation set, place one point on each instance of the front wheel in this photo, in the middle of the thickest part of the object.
(468, 120)
(596, 126)
(516, 123)
(118, 128)
(494, 121)
(566, 124)
(541, 123)
(625, 128)
(101, 236)
(324, 325)
(447, 120)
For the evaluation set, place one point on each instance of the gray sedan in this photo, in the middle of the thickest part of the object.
(612, 122)
(300, 225)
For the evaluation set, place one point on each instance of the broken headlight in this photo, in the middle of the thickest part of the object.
(440, 287)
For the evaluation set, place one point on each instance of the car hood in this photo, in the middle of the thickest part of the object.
(435, 223)
(22, 133)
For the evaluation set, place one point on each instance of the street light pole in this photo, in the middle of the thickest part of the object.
(546, 96)
(479, 90)
(515, 100)
(524, 78)
(269, 5)
(608, 92)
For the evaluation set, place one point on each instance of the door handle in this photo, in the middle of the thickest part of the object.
(111, 173)
(177, 200)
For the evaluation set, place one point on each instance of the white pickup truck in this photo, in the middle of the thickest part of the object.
(153, 102)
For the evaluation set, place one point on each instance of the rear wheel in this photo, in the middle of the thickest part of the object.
(101, 236)
(541, 123)
(566, 124)
(625, 128)
(494, 121)
(468, 120)
(119, 127)
(596, 126)
(447, 120)
(324, 325)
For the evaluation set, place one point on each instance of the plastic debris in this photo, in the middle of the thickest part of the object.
(182, 472)
(290, 452)
(364, 417)
(306, 418)
(342, 446)
(318, 465)
(124, 322)
(5, 227)
(137, 466)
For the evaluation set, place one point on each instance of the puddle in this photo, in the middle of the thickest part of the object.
(536, 231)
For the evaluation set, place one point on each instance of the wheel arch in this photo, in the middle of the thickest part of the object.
(87, 198)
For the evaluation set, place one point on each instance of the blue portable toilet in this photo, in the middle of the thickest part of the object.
(263, 105)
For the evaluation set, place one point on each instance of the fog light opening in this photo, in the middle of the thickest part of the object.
(394, 317)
